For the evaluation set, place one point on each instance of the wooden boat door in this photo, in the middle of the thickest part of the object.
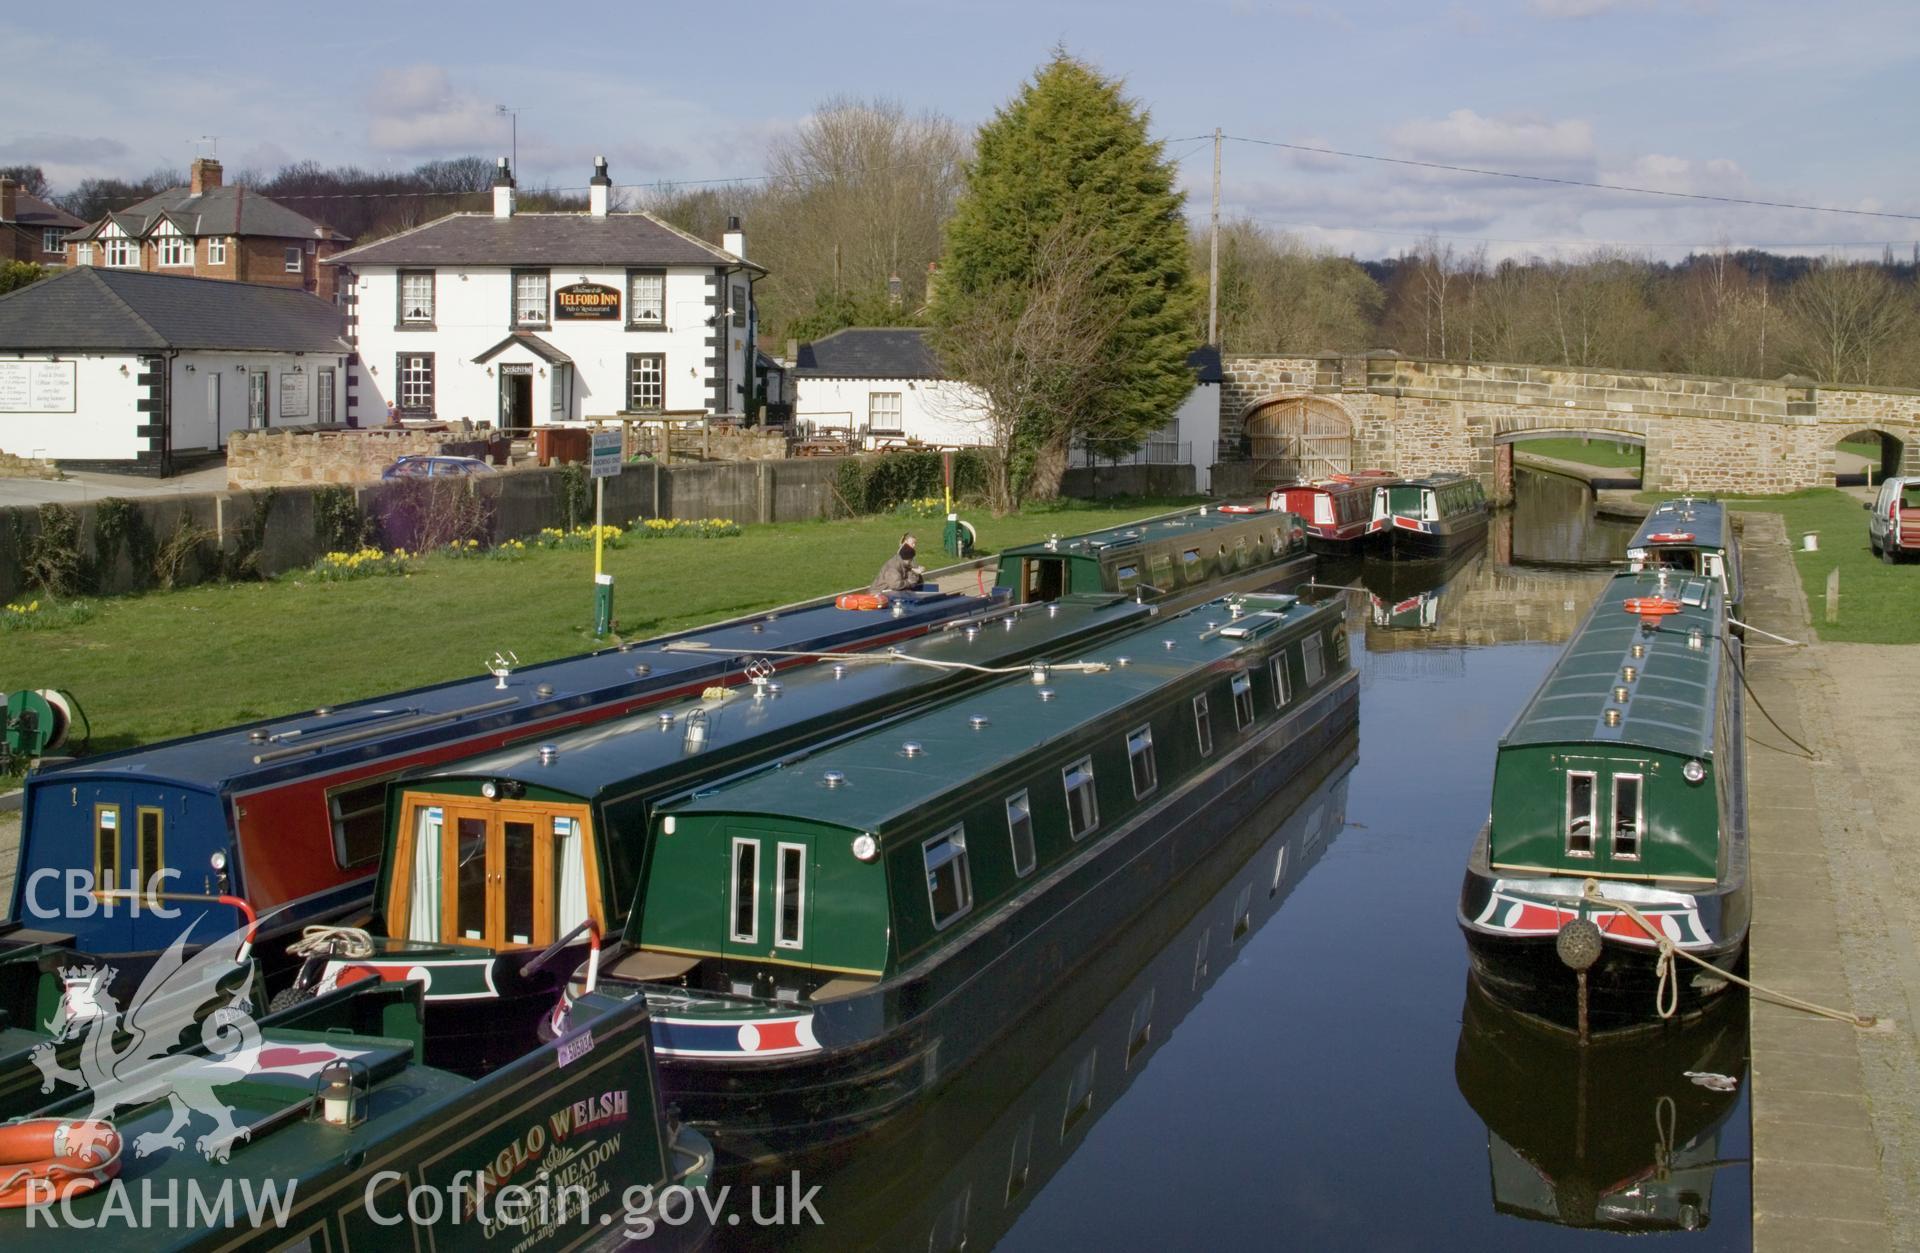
(512, 876)
(769, 894)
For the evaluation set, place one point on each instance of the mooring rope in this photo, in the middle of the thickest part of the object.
(1079, 667)
(1667, 994)
(1740, 669)
(1754, 630)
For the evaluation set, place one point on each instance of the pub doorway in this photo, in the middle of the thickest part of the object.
(516, 397)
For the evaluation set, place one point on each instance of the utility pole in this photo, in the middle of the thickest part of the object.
(500, 109)
(1213, 263)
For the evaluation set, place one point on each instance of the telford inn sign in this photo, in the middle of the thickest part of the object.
(587, 302)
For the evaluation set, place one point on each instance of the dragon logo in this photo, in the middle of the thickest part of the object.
(144, 1053)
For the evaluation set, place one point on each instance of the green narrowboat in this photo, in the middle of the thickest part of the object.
(1178, 561)
(1694, 537)
(1625, 771)
(825, 941)
(1421, 519)
(1614, 1139)
(321, 1128)
(493, 862)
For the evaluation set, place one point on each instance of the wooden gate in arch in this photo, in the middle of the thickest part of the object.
(1298, 437)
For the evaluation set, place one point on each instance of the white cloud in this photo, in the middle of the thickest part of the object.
(1582, 8)
(1468, 137)
(416, 110)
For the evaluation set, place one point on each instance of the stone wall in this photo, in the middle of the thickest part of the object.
(291, 456)
(1700, 433)
(16, 467)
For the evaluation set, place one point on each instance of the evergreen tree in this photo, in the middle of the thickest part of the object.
(1070, 156)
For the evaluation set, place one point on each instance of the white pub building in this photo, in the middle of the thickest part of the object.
(523, 319)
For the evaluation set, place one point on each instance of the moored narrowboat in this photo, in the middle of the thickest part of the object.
(1176, 561)
(825, 941)
(1337, 511)
(1436, 516)
(1690, 536)
(1624, 776)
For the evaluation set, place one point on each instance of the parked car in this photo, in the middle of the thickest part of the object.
(1893, 519)
(430, 467)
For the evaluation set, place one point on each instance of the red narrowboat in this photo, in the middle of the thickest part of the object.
(1335, 510)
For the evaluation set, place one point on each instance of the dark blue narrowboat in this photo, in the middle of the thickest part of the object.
(1689, 536)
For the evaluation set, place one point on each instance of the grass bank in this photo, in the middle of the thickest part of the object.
(1598, 453)
(173, 663)
(1879, 604)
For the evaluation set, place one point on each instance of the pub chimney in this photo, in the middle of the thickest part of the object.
(599, 189)
(735, 240)
(205, 176)
(503, 190)
(9, 199)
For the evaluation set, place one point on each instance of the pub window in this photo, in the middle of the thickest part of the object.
(1140, 757)
(646, 382)
(529, 298)
(1203, 726)
(123, 253)
(745, 905)
(150, 850)
(415, 372)
(883, 413)
(1083, 808)
(1312, 653)
(739, 305)
(217, 251)
(53, 239)
(1242, 701)
(176, 250)
(293, 260)
(646, 298)
(949, 889)
(1580, 804)
(790, 897)
(1020, 832)
(416, 297)
(106, 847)
(1281, 693)
(358, 813)
(1627, 816)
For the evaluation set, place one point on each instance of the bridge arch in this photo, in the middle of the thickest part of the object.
(1571, 432)
(1854, 460)
(1297, 436)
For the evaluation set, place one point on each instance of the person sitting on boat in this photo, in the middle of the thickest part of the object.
(899, 574)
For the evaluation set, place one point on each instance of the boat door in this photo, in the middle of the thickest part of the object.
(512, 876)
(122, 847)
(769, 895)
(1042, 578)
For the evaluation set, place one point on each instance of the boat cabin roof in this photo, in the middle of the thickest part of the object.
(1092, 544)
(1427, 481)
(881, 784)
(1703, 521)
(273, 748)
(1672, 705)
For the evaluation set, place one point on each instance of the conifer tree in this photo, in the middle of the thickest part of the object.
(1069, 156)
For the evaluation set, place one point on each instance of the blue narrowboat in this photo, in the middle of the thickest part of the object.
(1689, 536)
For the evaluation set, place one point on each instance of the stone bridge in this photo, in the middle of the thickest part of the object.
(1318, 415)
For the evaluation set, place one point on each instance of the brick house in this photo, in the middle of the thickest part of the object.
(31, 229)
(209, 230)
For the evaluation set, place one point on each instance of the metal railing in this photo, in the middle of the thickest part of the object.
(1155, 452)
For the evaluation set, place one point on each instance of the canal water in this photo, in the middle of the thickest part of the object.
(1285, 1052)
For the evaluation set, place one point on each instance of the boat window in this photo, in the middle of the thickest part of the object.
(150, 852)
(1243, 913)
(1203, 725)
(359, 816)
(1162, 567)
(1126, 578)
(517, 880)
(1279, 871)
(423, 896)
(1140, 1029)
(789, 897)
(1021, 1165)
(1281, 692)
(569, 876)
(949, 888)
(1626, 816)
(1140, 755)
(745, 903)
(106, 847)
(1190, 563)
(1083, 810)
(470, 861)
(1242, 701)
(1020, 832)
(1316, 662)
(1580, 805)
(1079, 1092)
(1323, 509)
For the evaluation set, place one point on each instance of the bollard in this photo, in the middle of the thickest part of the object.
(1833, 595)
(1810, 542)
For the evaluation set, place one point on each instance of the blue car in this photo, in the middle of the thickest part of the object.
(431, 467)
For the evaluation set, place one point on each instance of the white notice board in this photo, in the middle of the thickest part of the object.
(36, 386)
(293, 395)
(606, 454)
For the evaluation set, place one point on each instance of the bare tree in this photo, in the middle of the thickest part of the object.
(1279, 295)
(1844, 320)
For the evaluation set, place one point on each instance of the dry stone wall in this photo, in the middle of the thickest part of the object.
(291, 456)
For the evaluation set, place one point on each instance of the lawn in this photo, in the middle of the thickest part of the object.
(1598, 453)
(1879, 604)
(172, 663)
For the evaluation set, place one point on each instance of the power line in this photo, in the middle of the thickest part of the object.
(1572, 182)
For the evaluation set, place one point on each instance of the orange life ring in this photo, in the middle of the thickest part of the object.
(50, 1159)
(861, 600)
(1243, 509)
(1670, 537)
(1651, 608)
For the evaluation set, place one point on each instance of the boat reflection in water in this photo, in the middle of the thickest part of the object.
(1406, 595)
(1620, 1137)
(956, 1171)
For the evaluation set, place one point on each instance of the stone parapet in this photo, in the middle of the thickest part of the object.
(291, 456)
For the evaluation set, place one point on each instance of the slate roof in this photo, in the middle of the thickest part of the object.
(35, 212)
(541, 239)
(229, 210)
(532, 343)
(895, 352)
(86, 308)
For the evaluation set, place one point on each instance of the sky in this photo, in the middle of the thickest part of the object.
(1807, 104)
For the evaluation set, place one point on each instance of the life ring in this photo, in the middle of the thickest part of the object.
(49, 1159)
(1651, 608)
(1670, 537)
(861, 600)
(1242, 509)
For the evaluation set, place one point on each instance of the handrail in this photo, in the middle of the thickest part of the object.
(368, 733)
(211, 898)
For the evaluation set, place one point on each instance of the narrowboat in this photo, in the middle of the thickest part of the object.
(1626, 771)
(464, 900)
(824, 941)
(1420, 519)
(1628, 1139)
(1694, 537)
(289, 814)
(958, 1171)
(1337, 511)
(329, 1132)
(1178, 561)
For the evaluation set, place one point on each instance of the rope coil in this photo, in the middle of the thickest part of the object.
(333, 941)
